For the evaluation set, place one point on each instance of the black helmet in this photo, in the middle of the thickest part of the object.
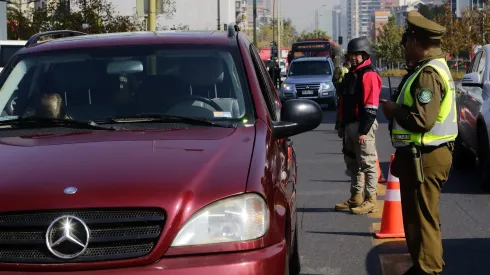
(360, 44)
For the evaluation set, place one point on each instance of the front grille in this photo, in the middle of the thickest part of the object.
(115, 234)
(302, 88)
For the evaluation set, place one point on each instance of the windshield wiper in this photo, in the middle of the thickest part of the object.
(161, 118)
(42, 122)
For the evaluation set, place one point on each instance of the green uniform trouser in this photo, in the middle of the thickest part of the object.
(420, 206)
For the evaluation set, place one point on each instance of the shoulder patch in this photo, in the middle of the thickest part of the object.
(424, 96)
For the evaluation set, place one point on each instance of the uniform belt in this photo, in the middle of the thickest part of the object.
(429, 149)
(426, 149)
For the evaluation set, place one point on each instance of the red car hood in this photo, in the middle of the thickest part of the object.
(125, 169)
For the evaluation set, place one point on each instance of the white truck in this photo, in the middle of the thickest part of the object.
(7, 49)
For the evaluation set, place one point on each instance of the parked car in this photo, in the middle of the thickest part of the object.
(473, 103)
(310, 78)
(148, 152)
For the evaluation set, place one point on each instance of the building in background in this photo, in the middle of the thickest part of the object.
(200, 15)
(241, 13)
(336, 22)
(385, 5)
(359, 17)
(265, 12)
(352, 13)
(367, 9)
(323, 19)
(457, 6)
(379, 19)
(401, 12)
(343, 21)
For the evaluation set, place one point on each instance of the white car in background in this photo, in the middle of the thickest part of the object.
(7, 49)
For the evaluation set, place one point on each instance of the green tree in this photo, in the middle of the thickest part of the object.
(268, 33)
(314, 34)
(387, 44)
(18, 23)
(169, 9)
(456, 32)
(431, 11)
(99, 15)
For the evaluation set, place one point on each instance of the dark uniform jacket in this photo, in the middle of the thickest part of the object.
(359, 102)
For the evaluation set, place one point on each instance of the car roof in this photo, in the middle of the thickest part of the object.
(317, 58)
(131, 38)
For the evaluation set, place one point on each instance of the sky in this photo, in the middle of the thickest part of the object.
(302, 16)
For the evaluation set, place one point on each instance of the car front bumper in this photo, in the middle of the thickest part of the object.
(266, 261)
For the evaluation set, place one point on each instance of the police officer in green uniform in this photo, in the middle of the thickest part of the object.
(423, 131)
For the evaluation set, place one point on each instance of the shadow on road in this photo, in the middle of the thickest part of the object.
(360, 234)
(460, 182)
(315, 210)
(463, 182)
(462, 256)
(335, 181)
(385, 167)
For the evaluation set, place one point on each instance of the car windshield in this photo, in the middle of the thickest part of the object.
(310, 68)
(90, 84)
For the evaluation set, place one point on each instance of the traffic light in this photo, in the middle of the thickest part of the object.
(341, 39)
(273, 50)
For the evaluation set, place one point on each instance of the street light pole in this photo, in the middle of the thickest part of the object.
(255, 21)
(279, 25)
(152, 6)
(219, 23)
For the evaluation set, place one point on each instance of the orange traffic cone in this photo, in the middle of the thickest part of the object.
(381, 178)
(392, 220)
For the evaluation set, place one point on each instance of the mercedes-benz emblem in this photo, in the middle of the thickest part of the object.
(67, 237)
(70, 190)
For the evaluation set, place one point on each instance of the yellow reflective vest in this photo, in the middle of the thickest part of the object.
(446, 128)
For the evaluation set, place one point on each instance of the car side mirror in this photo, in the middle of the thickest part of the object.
(471, 80)
(297, 116)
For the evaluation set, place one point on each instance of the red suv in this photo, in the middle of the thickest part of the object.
(147, 153)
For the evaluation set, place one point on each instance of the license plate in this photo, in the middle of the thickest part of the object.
(307, 92)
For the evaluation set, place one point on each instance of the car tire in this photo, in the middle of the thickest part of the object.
(483, 158)
(295, 261)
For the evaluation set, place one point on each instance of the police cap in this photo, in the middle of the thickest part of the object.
(421, 27)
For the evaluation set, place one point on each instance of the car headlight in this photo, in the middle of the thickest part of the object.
(239, 218)
(288, 87)
(325, 86)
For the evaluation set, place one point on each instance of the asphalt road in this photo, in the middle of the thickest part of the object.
(338, 243)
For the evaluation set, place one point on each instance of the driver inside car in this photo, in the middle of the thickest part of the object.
(49, 106)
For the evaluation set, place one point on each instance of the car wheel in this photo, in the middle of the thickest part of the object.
(483, 158)
(295, 261)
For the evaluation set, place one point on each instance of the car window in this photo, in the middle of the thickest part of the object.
(265, 85)
(474, 63)
(310, 68)
(6, 52)
(481, 65)
(183, 80)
